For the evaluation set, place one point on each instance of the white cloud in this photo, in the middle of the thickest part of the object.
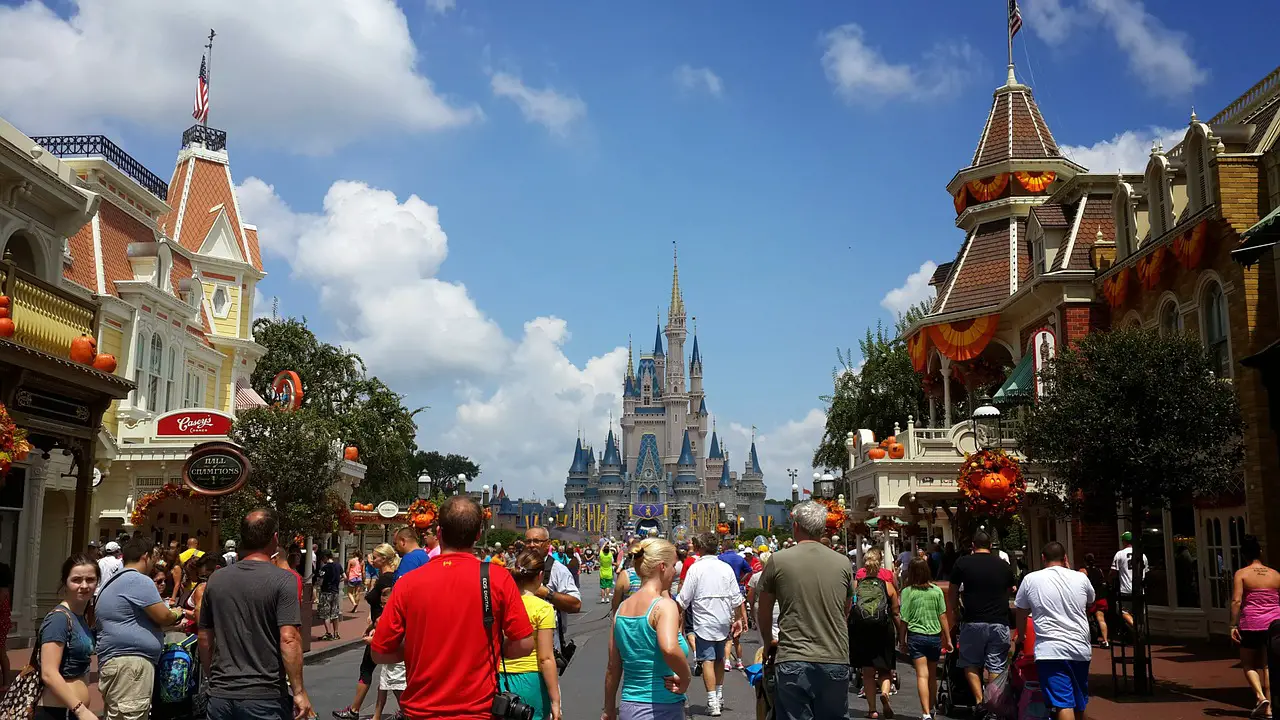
(861, 74)
(702, 79)
(1127, 152)
(440, 7)
(916, 289)
(554, 111)
(306, 75)
(787, 446)
(1159, 57)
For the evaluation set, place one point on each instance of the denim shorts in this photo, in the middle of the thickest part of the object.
(705, 650)
(984, 645)
(928, 647)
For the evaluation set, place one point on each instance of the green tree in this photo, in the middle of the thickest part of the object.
(1136, 417)
(439, 465)
(884, 390)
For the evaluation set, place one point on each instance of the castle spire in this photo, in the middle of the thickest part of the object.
(631, 369)
(657, 342)
(677, 301)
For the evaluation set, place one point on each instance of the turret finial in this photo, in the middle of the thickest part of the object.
(1194, 119)
(631, 370)
(677, 302)
(1013, 79)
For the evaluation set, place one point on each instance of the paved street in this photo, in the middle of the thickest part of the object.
(331, 682)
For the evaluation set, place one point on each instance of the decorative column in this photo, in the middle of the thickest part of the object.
(33, 518)
(946, 391)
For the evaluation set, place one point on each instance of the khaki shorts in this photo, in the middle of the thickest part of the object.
(127, 684)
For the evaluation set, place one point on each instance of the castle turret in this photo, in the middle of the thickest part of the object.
(611, 462)
(751, 489)
(575, 486)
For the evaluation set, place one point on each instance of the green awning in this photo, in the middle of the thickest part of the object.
(1017, 388)
(875, 520)
(1258, 239)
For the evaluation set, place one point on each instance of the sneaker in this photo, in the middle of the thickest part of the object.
(346, 713)
(728, 665)
(714, 709)
(740, 665)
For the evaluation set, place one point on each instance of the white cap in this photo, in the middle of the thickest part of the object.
(231, 544)
(112, 547)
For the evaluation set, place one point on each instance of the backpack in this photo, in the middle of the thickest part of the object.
(176, 673)
(871, 603)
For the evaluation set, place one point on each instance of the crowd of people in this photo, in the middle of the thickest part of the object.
(188, 634)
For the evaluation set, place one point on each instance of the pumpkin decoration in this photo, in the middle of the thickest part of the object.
(877, 453)
(897, 451)
(422, 513)
(4, 312)
(106, 362)
(7, 328)
(993, 486)
(992, 483)
(351, 453)
(84, 349)
(723, 528)
(5, 301)
(487, 514)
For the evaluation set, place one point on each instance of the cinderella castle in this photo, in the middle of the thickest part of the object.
(653, 474)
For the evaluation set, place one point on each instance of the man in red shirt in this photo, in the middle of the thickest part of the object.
(435, 624)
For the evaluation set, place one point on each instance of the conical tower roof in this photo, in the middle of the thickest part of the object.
(725, 480)
(1015, 128)
(686, 453)
(714, 453)
(579, 459)
(611, 457)
(657, 342)
(754, 460)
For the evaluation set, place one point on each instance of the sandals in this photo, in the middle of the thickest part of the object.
(1260, 710)
(888, 711)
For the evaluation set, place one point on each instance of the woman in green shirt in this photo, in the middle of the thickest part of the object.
(606, 574)
(924, 632)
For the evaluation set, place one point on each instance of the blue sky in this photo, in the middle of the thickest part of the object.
(798, 157)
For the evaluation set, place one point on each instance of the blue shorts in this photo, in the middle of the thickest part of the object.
(928, 647)
(705, 650)
(984, 645)
(1065, 683)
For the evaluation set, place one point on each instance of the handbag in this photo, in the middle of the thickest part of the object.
(19, 701)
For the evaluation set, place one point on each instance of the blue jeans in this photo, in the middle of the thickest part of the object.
(811, 691)
(259, 709)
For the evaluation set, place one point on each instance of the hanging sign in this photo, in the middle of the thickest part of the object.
(193, 423)
(287, 387)
(388, 509)
(216, 468)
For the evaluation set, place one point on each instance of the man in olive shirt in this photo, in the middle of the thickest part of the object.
(812, 586)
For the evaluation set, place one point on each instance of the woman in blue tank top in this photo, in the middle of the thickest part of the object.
(646, 649)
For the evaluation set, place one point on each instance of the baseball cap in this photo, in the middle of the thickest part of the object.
(749, 551)
(763, 548)
(112, 547)
(93, 543)
(230, 545)
(1126, 536)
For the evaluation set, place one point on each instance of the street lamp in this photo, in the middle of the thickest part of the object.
(817, 489)
(484, 495)
(986, 412)
(720, 515)
(462, 484)
(424, 486)
(795, 493)
(828, 485)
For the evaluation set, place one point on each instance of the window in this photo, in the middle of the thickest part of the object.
(1170, 319)
(1122, 211)
(221, 302)
(193, 394)
(139, 372)
(1159, 196)
(1213, 309)
(154, 386)
(171, 391)
(1037, 256)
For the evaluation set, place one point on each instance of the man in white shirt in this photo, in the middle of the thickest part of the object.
(109, 564)
(230, 555)
(710, 595)
(1122, 563)
(1056, 598)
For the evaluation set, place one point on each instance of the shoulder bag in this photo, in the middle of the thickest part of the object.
(19, 701)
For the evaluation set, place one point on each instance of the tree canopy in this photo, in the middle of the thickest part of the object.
(438, 465)
(885, 389)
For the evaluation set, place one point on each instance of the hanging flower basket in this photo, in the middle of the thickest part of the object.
(145, 503)
(992, 483)
(886, 524)
(13, 442)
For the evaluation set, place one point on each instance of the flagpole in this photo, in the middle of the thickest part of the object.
(208, 72)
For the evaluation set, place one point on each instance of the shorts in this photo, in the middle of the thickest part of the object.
(1065, 683)
(606, 583)
(628, 710)
(708, 650)
(327, 606)
(688, 622)
(984, 645)
(1098, 606)
(355, 582)
(928, 647)
(1253, 639)
(391, 677)
(1124, 604)
(531, 689)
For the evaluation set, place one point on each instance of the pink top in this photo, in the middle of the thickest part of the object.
(1259, 608)
(884, 574)
(433, 552)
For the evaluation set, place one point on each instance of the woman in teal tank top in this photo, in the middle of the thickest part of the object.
(646, 649)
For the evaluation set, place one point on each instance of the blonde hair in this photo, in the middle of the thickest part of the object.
(873, 561)
(648, 553)
(389, 557)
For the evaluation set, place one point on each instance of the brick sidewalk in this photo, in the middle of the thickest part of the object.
(1193, 680)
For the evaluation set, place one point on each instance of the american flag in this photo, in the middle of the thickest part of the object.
(201, 110)
(1015, 18)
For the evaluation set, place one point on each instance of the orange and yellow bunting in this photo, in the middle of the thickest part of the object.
(1150, 268)
(990, 188)
(1035, 181)
(1189, 247)
(964, 339)
(918, 349)
(1116, 288)
(961, 200)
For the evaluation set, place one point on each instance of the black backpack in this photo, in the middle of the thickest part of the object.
(871, 603)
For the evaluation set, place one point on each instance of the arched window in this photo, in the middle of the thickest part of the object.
(155, 399)
(1213, 320)
(1159, 195)
(1199, 179)
(20, 250)
(140, 371)
(1122, 216)
(1170, 319)
(171, 392)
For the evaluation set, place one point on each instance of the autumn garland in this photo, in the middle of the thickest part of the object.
(992, 483)
(146, 502)
(13, 442)
(836, 514)
(422, 513)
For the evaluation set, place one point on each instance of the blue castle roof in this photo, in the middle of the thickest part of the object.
(725, 481)
(687, 465)
(579, 461)
(657, 342)
(686, 453)
(715, 453)
(754, 459)
(611, 458)
(702, 407)
(697, 357)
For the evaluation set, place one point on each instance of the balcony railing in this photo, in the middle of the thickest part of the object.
(65, 146)
(211, 139)
(47, 317)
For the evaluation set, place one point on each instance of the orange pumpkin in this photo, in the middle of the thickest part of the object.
(83, 349)
(4, 312)
(7, 328)
(877, 453)
(421, 522)
(106, 362)
(723, 528)
(351, 453)
(993, 486)
(4, 301)
(897, 451)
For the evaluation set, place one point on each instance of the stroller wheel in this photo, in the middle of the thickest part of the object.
(944, 703)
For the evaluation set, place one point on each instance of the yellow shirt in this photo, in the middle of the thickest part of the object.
(186, 555)
(543, 617)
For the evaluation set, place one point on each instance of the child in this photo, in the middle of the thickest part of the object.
(328, 608)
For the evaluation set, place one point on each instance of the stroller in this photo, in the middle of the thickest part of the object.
(953, 687)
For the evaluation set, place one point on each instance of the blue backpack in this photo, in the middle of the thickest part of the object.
(176, 672)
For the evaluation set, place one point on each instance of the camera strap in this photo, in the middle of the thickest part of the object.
(486, 604)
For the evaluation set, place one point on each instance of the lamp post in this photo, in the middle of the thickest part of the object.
(720, 515)
(817, 489)
(795, 493)
(828, 485)
(486, 535)
(461, 485)
(844, 527)
(793, 474)
(484, 495)
(424, 486)
(984, 413)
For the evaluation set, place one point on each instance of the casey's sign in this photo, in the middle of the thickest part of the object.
(193, 423)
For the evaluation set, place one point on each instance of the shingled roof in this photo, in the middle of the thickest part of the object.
(982, 276)
(1015, 128)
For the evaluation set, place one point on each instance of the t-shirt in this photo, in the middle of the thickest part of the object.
(436, 615)
(330, 577)
(813, 585)
(245, 605)
(754, 584)
(385, 582)
(75, 638)
(229, 557)
(123, 626)
(543, 617)
(1057, 598)
(987, 581)
(412, 560)
(741, 568)
(921, 609)
(684, 568)
(711, 596)
(606, 566)
(108, 565)
(885, 574)
(1122, 563)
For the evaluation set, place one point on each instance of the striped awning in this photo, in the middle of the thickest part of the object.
(1258, 239)
(1020, 383)
(247, 398)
